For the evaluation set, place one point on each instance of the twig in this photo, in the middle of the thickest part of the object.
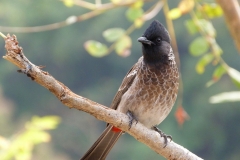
(231, 11)
(175, 49)
(171, 32)
(152, 12)
(72, 19)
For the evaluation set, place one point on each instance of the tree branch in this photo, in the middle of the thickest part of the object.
(232, 15)
(67, 97)
(70, 20)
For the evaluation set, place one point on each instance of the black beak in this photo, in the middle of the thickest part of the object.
(144, 40)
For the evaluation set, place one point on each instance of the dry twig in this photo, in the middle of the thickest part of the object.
(231, 11)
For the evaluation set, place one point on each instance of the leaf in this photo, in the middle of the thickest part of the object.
(185, 6)
(218, 73)
(123, 45)
(235, 75)
(209, 83)
(68, 3)
(96, 48)
(198, 46)
(35, 136)
(137, 4)
(4, 143)
(20, 145)
(212, 10)
(191, 27)
(134, 13)
(44, 123)
(113, 34)
(201, 64)
(174, 13)
(116, 1)
(138, 22)
(181, 115)
(225, 97)
(207, 27)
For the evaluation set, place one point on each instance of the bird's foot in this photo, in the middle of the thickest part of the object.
(132, 118)
(26, 71)
(163, 135)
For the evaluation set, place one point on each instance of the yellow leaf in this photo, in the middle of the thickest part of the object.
(138, 22)
(137, 4)
(203, 62)
(116, 1)
(4, 143)
(185, 6)
(174, 13)
(68, 3)
(43, 123)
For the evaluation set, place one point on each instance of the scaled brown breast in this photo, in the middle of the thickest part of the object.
(153, 90)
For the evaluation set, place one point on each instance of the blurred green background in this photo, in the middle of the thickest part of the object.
(212, 131)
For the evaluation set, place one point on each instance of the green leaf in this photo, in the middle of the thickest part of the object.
(225, 97)
(207, 27)
(191, 27)
(46, 122)
(134, 13)
(96, 48)
(198, 46)
(209, 83)
(212, 10)
(35, 136)
(201, 64)
(218, 73)
(113, 34)
(235, 75)
(174, 13)
(123, 45)
(43, 123)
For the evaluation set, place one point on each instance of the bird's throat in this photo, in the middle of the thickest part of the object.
(156, 60)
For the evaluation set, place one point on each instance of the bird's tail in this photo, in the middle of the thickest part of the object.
(103, 145)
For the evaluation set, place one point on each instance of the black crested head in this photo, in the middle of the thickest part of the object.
(156, 43)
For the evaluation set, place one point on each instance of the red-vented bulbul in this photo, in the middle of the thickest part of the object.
(148, 91)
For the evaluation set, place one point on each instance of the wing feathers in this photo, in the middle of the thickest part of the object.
(126, 83)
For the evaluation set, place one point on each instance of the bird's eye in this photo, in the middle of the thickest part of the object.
(158, 40)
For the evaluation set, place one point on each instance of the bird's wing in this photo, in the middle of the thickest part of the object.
(126, 83)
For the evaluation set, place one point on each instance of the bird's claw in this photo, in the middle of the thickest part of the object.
(132, 118)
(163, 135)
(26, 71)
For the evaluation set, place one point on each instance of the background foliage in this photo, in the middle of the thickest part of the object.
(211, 131)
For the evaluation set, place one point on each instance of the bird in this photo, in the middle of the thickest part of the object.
(148, 91)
